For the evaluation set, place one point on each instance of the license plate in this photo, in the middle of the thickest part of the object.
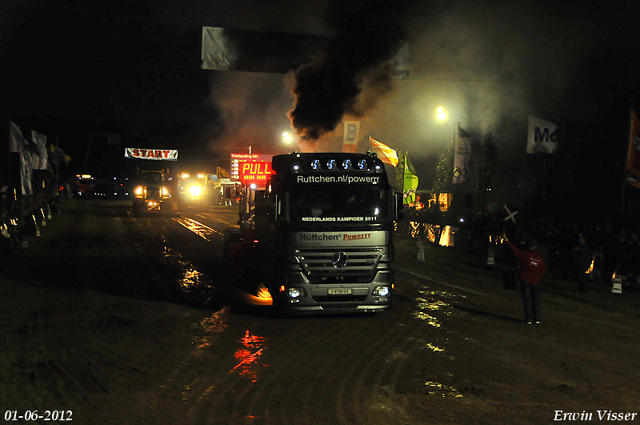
(339, 291)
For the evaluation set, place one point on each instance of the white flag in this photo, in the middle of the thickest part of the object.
(41, 159)
(542, 136)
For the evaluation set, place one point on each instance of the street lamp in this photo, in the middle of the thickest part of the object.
(286, 137)
(441, 114)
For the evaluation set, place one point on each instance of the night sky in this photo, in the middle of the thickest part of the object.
(70, 67)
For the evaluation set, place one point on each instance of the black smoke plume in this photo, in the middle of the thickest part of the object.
(368, 34)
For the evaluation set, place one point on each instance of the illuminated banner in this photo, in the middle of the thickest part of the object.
(345, 178)
(238, 158)
(154, 154)
(254, 173)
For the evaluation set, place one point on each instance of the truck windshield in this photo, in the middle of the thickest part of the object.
(341, 204)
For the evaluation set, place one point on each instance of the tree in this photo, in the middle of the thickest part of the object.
(443, 172)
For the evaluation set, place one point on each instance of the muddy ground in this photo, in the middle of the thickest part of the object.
(122, 319)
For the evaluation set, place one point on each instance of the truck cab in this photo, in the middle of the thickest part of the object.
(319, 234)
(154, 190)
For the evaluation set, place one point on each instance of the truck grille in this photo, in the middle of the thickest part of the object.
(317, 264)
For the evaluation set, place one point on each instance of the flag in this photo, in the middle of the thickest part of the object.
(19, 145)
(542, 136)
(385, 153)
(462, 155)
(351, 129)
(410, 182)
(633, 155)
(41, 158)
(16, 139)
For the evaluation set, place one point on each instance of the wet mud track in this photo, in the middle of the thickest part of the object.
(187, 354)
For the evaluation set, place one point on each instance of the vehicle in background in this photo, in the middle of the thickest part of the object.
(197, 190)
(154, 190)
(84, 185)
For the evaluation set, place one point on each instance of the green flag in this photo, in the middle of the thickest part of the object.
(410, 182)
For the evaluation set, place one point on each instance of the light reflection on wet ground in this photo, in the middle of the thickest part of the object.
(249, 355)
(190, 277)
(433, 301)
(205, 232)
(434, 348)
(438, 389)
(214, 324)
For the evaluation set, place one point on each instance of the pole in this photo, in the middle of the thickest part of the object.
(524, 161)
(626, 156)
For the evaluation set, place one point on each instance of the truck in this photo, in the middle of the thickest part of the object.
(317, 234)
(154, 190)
(196, 190)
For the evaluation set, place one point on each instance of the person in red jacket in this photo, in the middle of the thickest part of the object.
(532, 267)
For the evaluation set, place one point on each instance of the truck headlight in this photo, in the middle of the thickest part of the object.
(381, 291)
(195, 190)
(295, 293)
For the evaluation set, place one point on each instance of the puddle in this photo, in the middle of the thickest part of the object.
(248, 356)
(431, 301)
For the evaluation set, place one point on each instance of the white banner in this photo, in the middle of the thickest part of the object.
(217, 51)
(351, 130)
(154, 154)
(542, 136)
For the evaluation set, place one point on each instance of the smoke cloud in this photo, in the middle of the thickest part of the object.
(368, 33)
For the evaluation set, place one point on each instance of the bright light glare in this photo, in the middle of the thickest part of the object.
(286, 137)
(195, 191)
(441, 114)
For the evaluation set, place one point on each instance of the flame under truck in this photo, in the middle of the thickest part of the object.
(317, 234)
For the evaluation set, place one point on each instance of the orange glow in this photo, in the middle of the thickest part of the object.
(445, 237)
(248, 356)
(590, 269)
(263, 297)
(282, 288)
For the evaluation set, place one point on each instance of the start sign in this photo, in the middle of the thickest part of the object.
(155, 154)
(254, 173)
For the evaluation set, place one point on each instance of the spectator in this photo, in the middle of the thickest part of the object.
(532, 267)
(582, 258)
